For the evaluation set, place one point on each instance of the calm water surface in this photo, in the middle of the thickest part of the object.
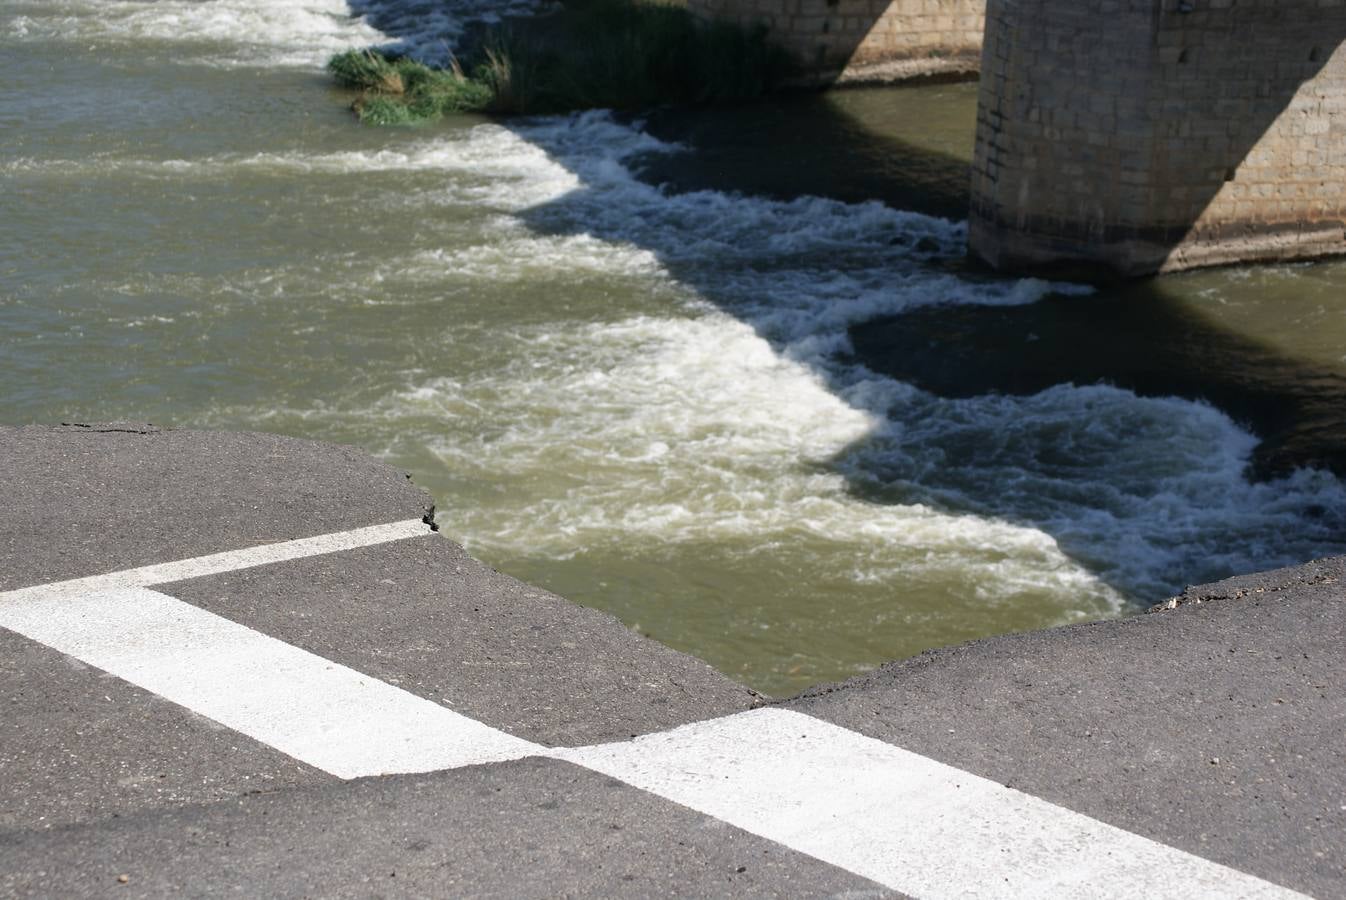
(663, 402)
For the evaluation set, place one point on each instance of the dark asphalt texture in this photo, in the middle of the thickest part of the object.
(78, 745)
(1218, 727)
(84, 500)
(531, 828)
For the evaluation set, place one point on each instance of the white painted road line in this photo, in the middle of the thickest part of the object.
(903, 820)
(900, 819)
(317, 711)
(230, 560)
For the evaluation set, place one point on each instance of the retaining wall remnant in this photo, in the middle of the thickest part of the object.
(838, 41)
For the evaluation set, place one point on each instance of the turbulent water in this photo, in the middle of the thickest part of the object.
(644, 399)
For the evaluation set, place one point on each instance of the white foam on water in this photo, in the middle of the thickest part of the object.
(220, 32)
(515, 256)
(686, 430)
(1150, 493)
(492, 167)
(739, 416)
(262, 33)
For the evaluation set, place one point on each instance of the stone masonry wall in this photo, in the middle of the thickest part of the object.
(865, 40)
(1152, 135)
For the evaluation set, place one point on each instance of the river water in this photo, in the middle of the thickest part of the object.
(791, 434)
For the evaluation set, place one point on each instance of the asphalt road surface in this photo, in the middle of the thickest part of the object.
(245, 665)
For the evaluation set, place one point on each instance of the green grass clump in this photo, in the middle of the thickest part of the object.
(379, 110)
(364, 70)
(401, 91)
(614, 54)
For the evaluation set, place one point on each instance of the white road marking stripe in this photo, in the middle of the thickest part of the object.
(215, 563)
(317, 711)
(903, 820)
(900, 819)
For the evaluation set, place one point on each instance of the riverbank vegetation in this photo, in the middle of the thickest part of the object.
(613, 54)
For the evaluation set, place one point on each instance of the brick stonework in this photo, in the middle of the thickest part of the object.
(865, 40)
(1154, 135)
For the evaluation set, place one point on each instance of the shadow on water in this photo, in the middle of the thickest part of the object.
(1140, 337)
(763, 151)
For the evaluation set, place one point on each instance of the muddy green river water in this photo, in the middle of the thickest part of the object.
(714, 372)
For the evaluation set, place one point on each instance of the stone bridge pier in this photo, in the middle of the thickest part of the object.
(1142, 136)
